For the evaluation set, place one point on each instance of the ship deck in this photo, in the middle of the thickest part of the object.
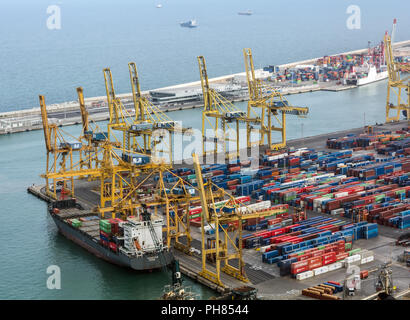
(90, 227)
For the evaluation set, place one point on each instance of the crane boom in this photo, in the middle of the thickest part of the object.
(46, 127)
(201, 187)
(84, 113)
(204, 82)
(136, 91)
(250, 74)
(111, 98)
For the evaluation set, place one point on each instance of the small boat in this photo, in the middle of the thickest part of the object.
(245, 13)
(189, 24)
(159, 5)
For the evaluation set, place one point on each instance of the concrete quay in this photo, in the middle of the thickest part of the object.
(67, 113)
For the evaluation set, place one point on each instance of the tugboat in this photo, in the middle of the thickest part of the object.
(189, 24)
(176, 290)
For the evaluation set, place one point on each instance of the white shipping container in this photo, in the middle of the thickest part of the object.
(337, 211)
(349, 264)
(356, 257)
(335, 266)
(325, 269)
(304, 275)
(341, 194)
(317, 271)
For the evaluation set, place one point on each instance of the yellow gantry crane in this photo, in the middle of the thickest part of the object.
(150, 131)
(221, 117)
(398, 89)
(67, 159)
(59, 155)
(147, 115)
(269, 105)
(91, 135)
(224, 247)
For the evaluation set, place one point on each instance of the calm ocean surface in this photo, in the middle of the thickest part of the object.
(98, 34)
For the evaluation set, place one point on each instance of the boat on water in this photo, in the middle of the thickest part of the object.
(135, 243)
(189, 24)
(366, 74)
(159, 5)
(245, 13)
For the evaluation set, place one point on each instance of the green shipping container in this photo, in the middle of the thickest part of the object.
(75, 223)
(355, 251)
(105, 226)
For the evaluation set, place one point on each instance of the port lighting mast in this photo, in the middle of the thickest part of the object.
(221, 117)
(269, 105)
(398, 88)
(393, 31)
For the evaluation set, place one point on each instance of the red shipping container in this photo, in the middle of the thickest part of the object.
(364, 274)
(329, 260)
(114, 225)
(304, 257)
(318, 253)
(314, 260)
(113, 246)
(315, 265)
(342, 256)
(300, 269)
(234, 169)
(299, 264)
(329, 255)
(104, 243)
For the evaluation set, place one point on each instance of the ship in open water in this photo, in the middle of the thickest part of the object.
(189, 24)
(245, 13)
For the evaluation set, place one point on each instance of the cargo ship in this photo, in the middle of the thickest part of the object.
(245, 13)
(189, 24)
(366, 74)
(135, 243)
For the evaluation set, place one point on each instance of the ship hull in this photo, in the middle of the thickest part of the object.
(143, 263)
(380, 76)
(363, 81)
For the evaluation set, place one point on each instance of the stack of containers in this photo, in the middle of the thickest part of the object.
(105, 232)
